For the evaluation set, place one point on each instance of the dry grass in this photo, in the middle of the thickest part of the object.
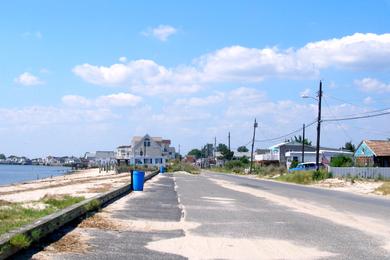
(73, 242)
(384, 189)
(100, 189)
(100, 222)
(5, 203)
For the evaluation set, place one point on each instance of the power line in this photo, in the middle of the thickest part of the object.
(356, 117)
(330, 110)
(286, 135)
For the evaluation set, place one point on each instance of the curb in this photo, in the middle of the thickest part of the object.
(48, 224)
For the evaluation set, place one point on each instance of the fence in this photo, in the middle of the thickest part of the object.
(362, 172)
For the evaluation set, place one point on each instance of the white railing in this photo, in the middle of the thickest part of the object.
(362, 172)
(267, 157)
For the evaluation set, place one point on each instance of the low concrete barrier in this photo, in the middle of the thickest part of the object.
(46, 225)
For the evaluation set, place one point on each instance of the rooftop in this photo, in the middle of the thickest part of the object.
(379, 147)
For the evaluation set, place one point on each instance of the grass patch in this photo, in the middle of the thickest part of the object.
(15, 215)
(304, 177)
(61, 202)
(20, 241)
(384, 189)
(92, 205)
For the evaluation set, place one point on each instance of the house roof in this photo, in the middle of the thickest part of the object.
(379, 147)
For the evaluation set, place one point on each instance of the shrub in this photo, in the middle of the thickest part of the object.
(20, 241)
(305, 177)
(341, 161)
(294, 164)
(181, 166)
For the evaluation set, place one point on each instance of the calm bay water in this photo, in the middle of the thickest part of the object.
(19, 173)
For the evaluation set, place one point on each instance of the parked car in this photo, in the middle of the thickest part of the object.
(307, 166)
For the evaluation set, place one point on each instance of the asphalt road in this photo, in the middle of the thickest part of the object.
(222, 216)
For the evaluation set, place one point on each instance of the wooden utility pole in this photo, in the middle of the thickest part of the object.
(229, 141)
(215, 146)
(303, 144)
(253, 145)
(318, 128)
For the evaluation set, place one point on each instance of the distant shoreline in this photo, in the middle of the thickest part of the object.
(16, 174)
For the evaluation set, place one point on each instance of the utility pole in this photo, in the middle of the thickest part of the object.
(303, 144)
(253, 145)
(229, 141)
(215, 145)
(318, 128)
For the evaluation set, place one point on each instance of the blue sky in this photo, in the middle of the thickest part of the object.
(80, 76)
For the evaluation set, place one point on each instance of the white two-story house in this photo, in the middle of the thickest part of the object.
(146, 150)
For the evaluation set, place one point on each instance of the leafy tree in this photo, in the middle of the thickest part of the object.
(207, 150)
(2, 156)
(294, 164)
(349, 146)
(299, 140)
(244, 160)
(242, 149)
(224, 150)
(341, 161)
(195, 152)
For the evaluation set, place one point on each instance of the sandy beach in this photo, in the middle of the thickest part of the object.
(85, 183)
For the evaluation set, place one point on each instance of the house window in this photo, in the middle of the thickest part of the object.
(147, 142)
(158, 161)
(141, 153)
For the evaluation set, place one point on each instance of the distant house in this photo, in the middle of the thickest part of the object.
(373, 153)
(285, 153)
(277, 153)
(146, 150)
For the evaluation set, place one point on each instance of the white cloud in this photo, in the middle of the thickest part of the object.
(161, 32)
(113, 100)
(144, 76)
(200, 101)
(37, 35)
(241, 64)
(123, 59)
(305, 93)
(76, 101)
(118, 100)
(368, 100)
(28, 79)
(373, 85)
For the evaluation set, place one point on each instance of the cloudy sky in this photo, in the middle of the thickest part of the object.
(80, 76)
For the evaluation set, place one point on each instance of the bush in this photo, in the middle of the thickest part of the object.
(20, 241)
(341, 161)
(294, 164)
(234, 164)
(181, 166)
(270, 170)
(305, 177)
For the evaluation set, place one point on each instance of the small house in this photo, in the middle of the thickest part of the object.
(373, 153)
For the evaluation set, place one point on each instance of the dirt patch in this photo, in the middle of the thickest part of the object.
(355, 186)
(5, 203)
(73, 242)
(101, 188)
(100, 222)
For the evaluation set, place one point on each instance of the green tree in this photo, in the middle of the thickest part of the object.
(299, 140)
(349, 146)
(2, 156)
(242, 149)
(207, 150)
(225, 152)
(195, 152)
(341, 161)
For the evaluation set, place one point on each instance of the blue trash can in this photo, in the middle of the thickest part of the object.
(138, 180)
(162, 169)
